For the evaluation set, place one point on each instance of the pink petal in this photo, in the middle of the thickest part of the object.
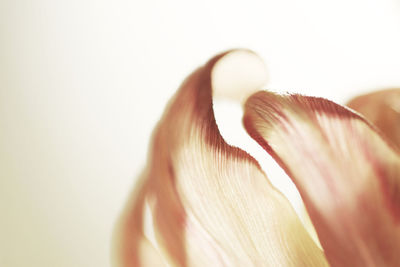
(347, 175)
(212, 204)
(382, 108)
(131, 247)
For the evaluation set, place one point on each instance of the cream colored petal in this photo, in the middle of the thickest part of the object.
(212, 204)
(347, 174)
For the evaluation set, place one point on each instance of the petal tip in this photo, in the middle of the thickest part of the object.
(238, 74)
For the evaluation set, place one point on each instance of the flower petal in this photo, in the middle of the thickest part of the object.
(382, 108)
(211, 202)
(131, 247)
(347, 175)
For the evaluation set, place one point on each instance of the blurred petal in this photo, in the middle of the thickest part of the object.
(382, 108)
(149, 256)
(212, 204)
(347, 175)
(131, 247)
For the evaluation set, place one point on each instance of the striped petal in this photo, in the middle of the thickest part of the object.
(382, 108)
(212, 204)
(347, 175)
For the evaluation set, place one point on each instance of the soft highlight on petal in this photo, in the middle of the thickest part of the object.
(212, 205)
(347, 175)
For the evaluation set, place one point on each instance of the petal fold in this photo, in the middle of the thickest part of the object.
(212, 204)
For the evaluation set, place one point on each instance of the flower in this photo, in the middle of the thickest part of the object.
(212, 204)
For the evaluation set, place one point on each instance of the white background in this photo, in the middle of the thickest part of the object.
(82, 84)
